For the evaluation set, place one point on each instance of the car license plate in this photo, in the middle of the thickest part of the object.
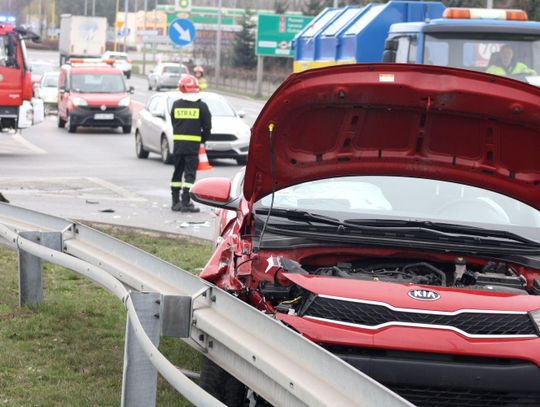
(104, 116)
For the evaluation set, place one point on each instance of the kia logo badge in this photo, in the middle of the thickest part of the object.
(425, 295)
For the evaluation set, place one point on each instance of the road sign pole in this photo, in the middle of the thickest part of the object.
(143, 43)
(126, 6)
(116, 24)
(260, 69)
(218, 46)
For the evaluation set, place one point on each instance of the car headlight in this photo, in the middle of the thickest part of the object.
(124, 101)
(535, 316)
(79, 101)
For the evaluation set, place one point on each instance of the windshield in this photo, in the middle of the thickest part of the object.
(8, 51)
(49, 81)
(218, 107)
(118, 57)
(97, 83)
(482, 52)
(172, 69)
(373, 197)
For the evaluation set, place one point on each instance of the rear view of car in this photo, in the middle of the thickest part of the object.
(166, 75)
(121, 61)
(93, 95)
(48, 91)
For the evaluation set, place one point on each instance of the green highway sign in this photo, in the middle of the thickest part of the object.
(275, 33)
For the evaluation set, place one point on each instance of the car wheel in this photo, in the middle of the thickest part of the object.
(158, 88)
(71, 127)
(128, 74)
(241, 160)
(166, 156)
(139, 148)
(220, 384)
(60, 122)
(126, 129)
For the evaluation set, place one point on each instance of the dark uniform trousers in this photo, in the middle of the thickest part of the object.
(186, 166)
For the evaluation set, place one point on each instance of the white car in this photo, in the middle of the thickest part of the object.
(48, 91)
(229, 138)
(121, 61)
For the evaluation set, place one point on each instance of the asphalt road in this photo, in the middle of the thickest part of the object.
(94, 174)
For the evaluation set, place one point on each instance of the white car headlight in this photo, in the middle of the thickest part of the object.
(124, 101)
(535, 316)
(79, 101)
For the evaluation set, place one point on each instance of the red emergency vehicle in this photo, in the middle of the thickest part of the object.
(18, 108)
(93, 93)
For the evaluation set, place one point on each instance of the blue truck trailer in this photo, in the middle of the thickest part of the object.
(419, 32)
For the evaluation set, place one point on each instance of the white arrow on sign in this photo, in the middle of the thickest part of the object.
(185, 35)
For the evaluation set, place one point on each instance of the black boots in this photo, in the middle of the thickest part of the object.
(185, 205)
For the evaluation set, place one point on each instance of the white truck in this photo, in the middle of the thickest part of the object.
(82, 36)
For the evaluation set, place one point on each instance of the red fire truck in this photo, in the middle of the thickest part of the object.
(18, 108)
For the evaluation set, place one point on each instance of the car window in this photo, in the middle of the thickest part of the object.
(171, 69)
(97, 83)
(152, 103)
(406, 198)
(49, 81)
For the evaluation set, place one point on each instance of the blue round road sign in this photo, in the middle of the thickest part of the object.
(182, 31)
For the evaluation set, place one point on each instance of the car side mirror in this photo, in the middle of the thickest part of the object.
(131, 90)
(241, 114)
(214, 192)
(161, 114)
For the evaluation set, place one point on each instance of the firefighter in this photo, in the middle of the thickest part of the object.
(199, 74)
(504, 63)
(191, 122)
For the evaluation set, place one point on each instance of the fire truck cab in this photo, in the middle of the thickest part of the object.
(18, 108)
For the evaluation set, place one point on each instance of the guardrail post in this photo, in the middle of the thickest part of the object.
(139, 381)
(30, 267)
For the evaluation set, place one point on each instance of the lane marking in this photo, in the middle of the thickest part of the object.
(21, 140)
(118, 189)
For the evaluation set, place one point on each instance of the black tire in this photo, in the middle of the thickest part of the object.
(140, 152)
(60, 122)
(157, 87)
(222, 385)
(71, 127)
(166, 155)
(128, 74)
(241, 160)
(126, 129)
(149, 86)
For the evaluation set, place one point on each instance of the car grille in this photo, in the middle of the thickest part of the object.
(447, 397)
(108, 109)
(374, 315)
(222, 137)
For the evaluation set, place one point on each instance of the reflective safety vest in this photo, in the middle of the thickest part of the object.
(192, 123)
(519, 68)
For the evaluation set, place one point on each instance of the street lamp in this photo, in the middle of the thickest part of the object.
(218, 45)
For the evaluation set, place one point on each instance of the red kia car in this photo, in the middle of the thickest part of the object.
(390, 213)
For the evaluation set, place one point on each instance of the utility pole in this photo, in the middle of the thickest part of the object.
(85, 7)
(116, 23)
(143, 43)
(93, 8)
(40, 12)
(218, 45)
(126, 6)
(489, 3)
(336, 3)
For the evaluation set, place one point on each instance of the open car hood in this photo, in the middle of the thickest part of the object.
(400, 120)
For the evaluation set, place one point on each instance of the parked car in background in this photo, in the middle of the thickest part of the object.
(390, 213)
(38, 68)
(121, 61)
(229, 137)
(166, 75)
(48, 91)
(93, 94)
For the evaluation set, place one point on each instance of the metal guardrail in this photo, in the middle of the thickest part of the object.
(275, 362)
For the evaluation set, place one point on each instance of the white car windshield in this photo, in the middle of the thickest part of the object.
(373, 197)
(49, 81)
(97, 83)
